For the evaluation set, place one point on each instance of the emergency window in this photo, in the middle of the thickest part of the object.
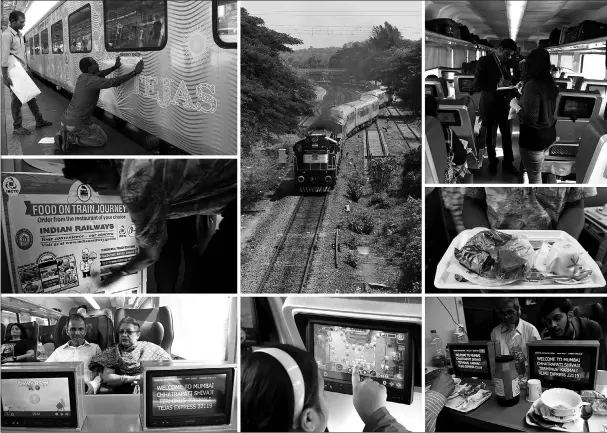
(79, 25)
(57, 37)
(44, 41)
(135, 26)
(225, 23)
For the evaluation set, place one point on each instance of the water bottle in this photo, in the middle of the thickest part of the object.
(438, 357)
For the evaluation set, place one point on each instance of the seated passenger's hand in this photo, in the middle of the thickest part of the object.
(514, 104)
(443, 384)
(368, 396)
(115, 275)
(117, 65)
(89, 389)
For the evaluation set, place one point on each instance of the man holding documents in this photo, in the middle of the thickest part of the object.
(492, 74)
(77, 128)
(13, 44)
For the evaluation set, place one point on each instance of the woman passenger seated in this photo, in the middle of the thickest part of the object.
(120, 365)
(16, 347)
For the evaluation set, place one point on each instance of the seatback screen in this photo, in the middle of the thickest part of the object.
(36, 398)
(449, 118)
(597, 88)
(188, 394)
(378, 355)
(466, 85)
(576, 107)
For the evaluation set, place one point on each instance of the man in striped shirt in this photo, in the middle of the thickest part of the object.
(436, 397)
(13, 44)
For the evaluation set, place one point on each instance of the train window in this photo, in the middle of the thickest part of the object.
(8, 317)
(225, 23)
(37, 44)
(567, 61)
(57, 37)
(31, 46)
(44, 41)
(135, 26)
(593, 66)
(80, 30)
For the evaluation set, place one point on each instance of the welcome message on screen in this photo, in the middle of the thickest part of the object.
(471, 360)
(188, 395)
(570, 365)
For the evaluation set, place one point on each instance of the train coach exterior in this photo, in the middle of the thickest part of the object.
(340, 119)
(187, 93)
(383, 96)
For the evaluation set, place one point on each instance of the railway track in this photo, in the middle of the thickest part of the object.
(290, 264)
(375, 143)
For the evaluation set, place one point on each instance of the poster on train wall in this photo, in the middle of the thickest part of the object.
(61, 236)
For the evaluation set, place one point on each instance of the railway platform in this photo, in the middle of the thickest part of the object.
(121, 141)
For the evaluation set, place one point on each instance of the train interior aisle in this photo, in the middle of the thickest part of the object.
(459, 33)
(185, 375)
(52, 104)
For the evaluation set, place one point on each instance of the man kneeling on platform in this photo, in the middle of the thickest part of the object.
(77, 127)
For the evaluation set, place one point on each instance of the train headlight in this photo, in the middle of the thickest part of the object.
(328, 179)
(301, 179)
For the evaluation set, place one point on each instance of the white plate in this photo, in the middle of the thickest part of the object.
(446, 280)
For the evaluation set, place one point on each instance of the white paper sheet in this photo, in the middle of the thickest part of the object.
(23, 86)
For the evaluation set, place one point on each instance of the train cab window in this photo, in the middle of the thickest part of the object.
(44, 41)
(37, 44)
(57, 37)
(575, 107)
(449, 118)
(225, 23)
(80, 31)
(593, 66)
(135, 26)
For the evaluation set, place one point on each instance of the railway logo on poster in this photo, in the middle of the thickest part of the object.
(24, 239)
(11, 186)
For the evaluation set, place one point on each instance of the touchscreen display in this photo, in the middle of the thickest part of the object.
(379, 355)
(188, 395)
(33, 398)
(564, 364)
(580, 108)
(466, 85)
(450, 118)
(470, 360)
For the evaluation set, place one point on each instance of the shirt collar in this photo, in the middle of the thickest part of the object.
(67, 345)
(519, 327)
(14, 32)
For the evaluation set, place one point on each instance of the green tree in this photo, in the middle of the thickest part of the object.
(273, 96)
(385, 37)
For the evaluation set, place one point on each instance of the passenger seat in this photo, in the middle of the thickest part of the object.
(436, 144)
(465, 126)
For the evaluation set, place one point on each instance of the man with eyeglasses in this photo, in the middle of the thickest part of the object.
(562, 324)
(513, 333)
(120, 365)
(79, 350)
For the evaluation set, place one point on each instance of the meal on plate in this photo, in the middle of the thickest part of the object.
(598, 400)
(499, 256)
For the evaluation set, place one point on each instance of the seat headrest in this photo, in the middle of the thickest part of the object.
(591, 311)
(99, 330)
(152, 332)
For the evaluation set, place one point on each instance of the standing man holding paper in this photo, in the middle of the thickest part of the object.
(13, 44)
(491, 73)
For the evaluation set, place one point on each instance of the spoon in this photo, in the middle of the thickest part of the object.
(587, 412)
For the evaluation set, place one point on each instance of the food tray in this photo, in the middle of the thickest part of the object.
(446, 280)
(454, 402)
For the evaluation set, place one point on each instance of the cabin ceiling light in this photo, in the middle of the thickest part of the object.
(92, 302)
(515, 10)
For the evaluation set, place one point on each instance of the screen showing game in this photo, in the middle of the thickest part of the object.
(431, 90)
(466, 85)
(470, 361)
(379, 355)
(43, 398)
(449, 118)
(562, 85)
(569, 366)
(576, 107)
(602, 90)
(189, 397)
